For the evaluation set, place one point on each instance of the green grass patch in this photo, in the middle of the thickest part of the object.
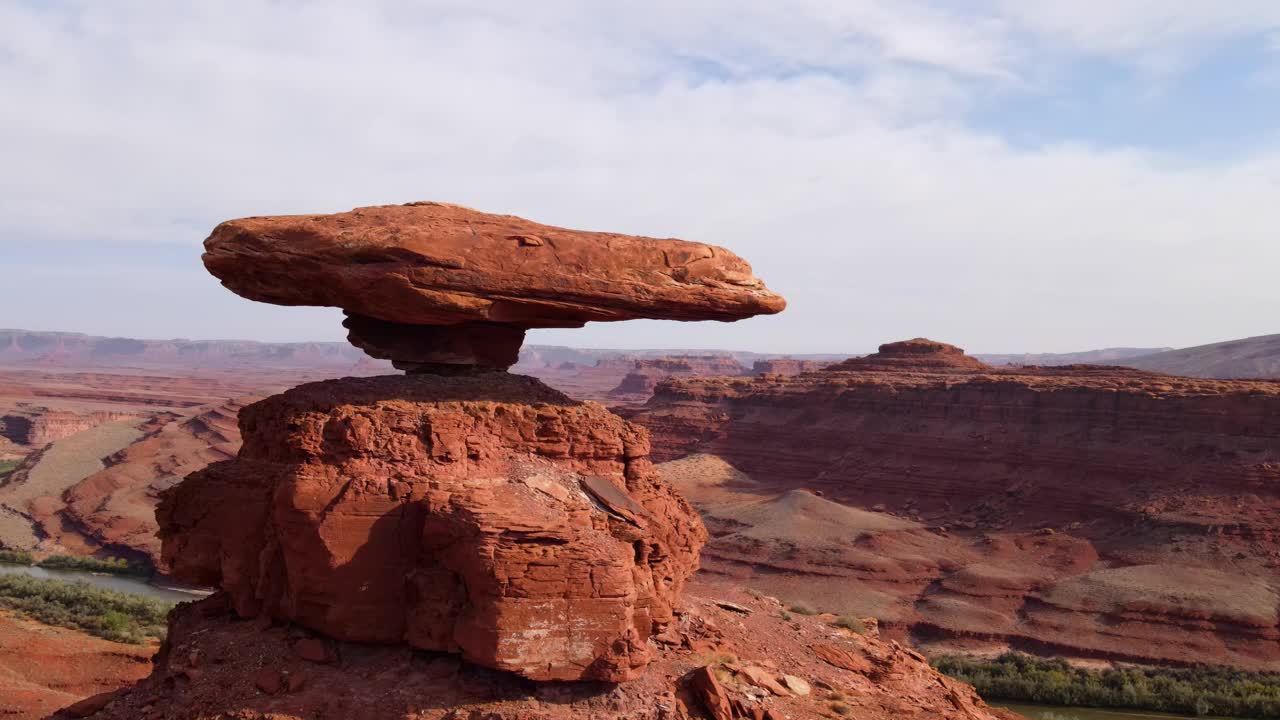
(8, 466)
(78, 605)
(1201, 690)
(115, 566)
(16, 557)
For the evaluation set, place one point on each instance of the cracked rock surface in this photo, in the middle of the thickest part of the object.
(486, 515)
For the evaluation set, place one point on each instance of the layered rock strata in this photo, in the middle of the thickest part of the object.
(487, 515)
(36, 427)
(477, 280)
(1081, 509)
(646, 373)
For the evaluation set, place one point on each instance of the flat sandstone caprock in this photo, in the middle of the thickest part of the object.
(432, 286)
(445, 265)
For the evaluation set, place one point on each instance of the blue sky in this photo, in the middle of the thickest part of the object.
(1007, 175)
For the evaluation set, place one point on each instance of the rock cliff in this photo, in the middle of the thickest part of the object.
(487, 515)
(646, 373)
(36, 427)
(1096, 510)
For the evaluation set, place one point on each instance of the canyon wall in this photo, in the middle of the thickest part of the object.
(1105, 511)
(37, 427)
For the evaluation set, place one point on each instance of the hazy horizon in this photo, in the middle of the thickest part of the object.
(1008, 176)
(532, 340)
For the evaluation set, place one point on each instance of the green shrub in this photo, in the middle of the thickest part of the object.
(107, 614)
(1200, 690)
(16, 557)
(851, 624)
(115, 566)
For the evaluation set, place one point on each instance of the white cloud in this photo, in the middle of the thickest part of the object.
(824, 141)
(1160, 36)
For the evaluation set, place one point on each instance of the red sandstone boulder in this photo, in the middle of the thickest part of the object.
(486, 514)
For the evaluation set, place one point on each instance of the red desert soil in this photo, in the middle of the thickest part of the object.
(44, 668)
(1084, 510)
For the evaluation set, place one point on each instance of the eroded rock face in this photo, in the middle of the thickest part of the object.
(438, 264)
(486, 515)
(1045, 507)
(786, 366)
(648, 372)
(433, 264)
(798, 668)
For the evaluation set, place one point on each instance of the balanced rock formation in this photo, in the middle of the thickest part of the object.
(429, 284)
(1093, 510)
(378, 528)
(457, 509)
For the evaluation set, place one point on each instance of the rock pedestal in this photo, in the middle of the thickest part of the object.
(458, 508)
(487, 515)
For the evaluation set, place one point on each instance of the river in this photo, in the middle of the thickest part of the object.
(119, 583)
(1057, 712)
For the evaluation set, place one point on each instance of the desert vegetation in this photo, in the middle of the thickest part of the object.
(120, 617)
(1203, 690)
(16, 557)
(114, 566)
(852, 624)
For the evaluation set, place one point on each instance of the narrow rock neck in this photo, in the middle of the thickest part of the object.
(462, 349)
